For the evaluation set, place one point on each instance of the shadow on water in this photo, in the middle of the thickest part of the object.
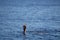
(20, 35)
(24, 33)
(24, 37)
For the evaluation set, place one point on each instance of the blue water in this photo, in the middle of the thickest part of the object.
(42, 18)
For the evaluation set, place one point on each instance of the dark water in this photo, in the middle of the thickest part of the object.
(10, 32)
(42, 18)
(30, 35)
